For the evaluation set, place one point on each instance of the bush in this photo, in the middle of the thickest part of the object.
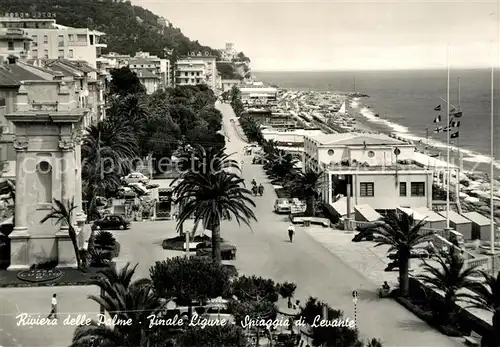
(100, 257)
(104, 240)
(46, 265)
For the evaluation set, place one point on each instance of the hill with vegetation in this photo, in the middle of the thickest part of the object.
(128, 28)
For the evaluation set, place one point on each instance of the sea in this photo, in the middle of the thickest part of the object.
(405, 103)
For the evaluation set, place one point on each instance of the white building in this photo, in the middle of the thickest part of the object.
(228, 53)
(293, 137)
(256, 94)
(371, 164)
(196, 69)
(50, 40)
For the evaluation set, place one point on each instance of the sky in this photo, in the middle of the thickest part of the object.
(343, 35)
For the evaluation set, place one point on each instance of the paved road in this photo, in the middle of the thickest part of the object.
(265, 251)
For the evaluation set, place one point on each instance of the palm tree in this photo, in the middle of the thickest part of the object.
(449, 276)
(124, 300)
(206, 160)
(252, 129)
(281, 165)
(63, 214)
(107, 153)
(287, 290)
(488, 298)
(307, 185)
(211, 198)
(401, 234)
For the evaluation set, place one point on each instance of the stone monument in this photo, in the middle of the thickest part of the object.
(48, 122)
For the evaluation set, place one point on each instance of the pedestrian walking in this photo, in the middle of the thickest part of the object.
(291, 232)
(53, 311)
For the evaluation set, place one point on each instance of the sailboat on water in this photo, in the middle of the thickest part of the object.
(342, 109)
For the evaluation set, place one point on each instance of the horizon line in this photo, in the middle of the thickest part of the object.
(374, 70)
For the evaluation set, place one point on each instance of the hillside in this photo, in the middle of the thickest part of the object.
(129, 28)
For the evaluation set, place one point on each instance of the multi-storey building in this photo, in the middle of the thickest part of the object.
(196, 69)
(228, 53)
(14, 41)
(370, 165)
(154, 72)
(50, 40)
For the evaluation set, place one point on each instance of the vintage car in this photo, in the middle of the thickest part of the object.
(111, 222)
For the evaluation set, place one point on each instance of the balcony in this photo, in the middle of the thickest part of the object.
(101, 45)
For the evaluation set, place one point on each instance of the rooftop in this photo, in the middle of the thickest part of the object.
(140, 61)
(8, 79)
(21, 73)
(353, 139)
(146, 74)
(361, 168)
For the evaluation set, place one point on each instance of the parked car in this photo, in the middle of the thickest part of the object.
(283, 205)
(111, 222)
(135, 177)
(227, 250)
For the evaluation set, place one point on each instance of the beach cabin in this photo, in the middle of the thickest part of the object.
(481, 226)
(433, 219)
(365, 213)
(340, 207)
(459, 223)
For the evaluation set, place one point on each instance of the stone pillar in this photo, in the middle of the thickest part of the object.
(19, 238)
(65, 252)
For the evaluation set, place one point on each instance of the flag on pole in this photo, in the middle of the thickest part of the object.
(437, 108)
(455, 124)
(456, 114)
(454, 135)
(437, 119)
(438, 130)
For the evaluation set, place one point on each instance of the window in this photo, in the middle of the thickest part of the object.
(35, 40)
(60, 53)
(331, 152)
(45, 39)
(402, 188)
(91, 38)
(71, 37)
(46, 53)
(371, 154)
(366, 189)
(35, 53)
(11, 45)
(70, 54)
(417, 188)
(26, 46)
(60, 40)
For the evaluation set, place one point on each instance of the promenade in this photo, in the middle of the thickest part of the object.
(317, 271)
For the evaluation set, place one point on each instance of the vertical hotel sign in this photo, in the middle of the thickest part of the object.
(34, 15)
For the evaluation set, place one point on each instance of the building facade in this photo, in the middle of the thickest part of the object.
(50, 40)
(368, 165)
(227, 85)
(256, 94)
(14, 41)
(196, 69)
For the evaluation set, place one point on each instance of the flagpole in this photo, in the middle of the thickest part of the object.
(458, 138)
(492, 154)
(448, 138)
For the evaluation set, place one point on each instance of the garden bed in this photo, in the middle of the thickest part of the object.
(177, 243)
(425, 314)
(69, 277)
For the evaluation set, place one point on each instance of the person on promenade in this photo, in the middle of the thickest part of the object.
(53, 311)
(291, 232)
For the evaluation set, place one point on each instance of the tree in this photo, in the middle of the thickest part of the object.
(189, 279)
(124, 300)
(281, 165)
(125, 82)
(449, 276)
(332, 336)
(62, 213)
(252, 129)
(307, 185)
(212, 197)
(212, 336)
(401, 234)
(287, 290)
(487, 297)
(255, 288)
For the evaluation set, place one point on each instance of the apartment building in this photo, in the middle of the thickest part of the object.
(50, 40)
(150, 69)
(370, 165)
(196, 69)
